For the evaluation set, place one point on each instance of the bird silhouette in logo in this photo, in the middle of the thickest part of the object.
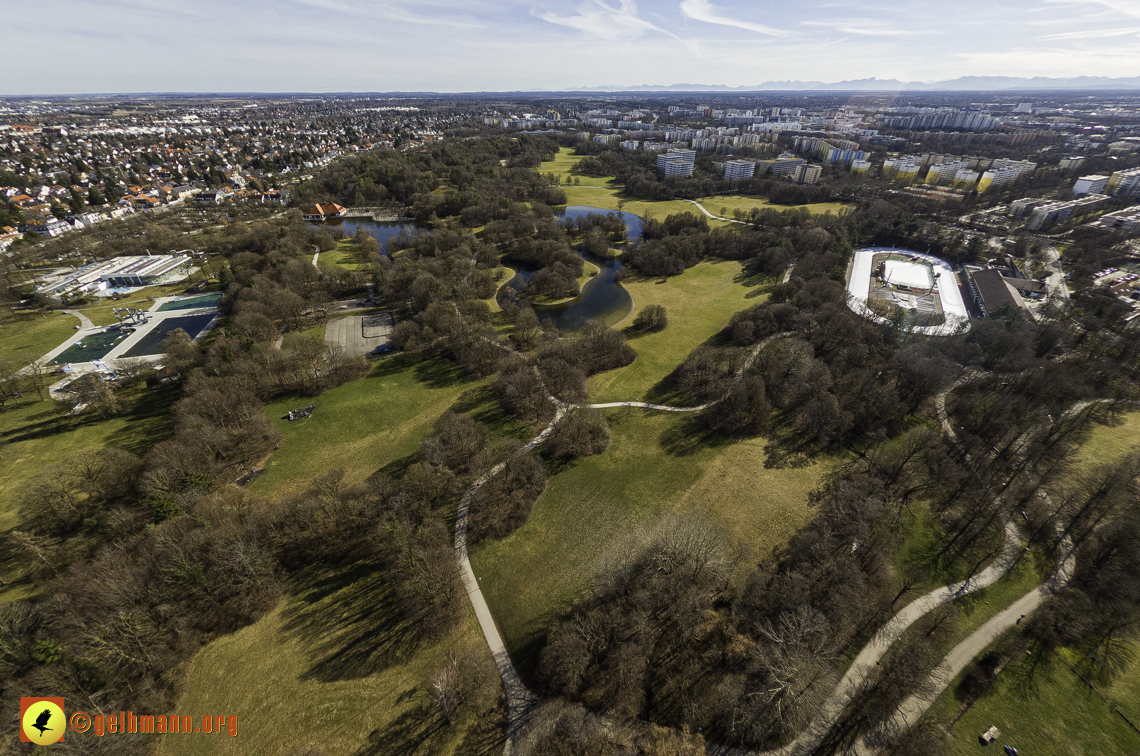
(42, 720)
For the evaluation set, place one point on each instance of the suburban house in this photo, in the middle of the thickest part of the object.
(323, 210)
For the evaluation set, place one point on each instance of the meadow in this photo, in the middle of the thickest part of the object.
(363, 425)
(593, 510)
(36, 436)
(27, 336)
(698, 304)
(333, 668)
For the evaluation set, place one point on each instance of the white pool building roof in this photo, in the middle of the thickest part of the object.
(913, 275)
(957, 318)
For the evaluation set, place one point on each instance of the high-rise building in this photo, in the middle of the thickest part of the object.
(1124, 183)
(676, 163)
(1003, 172)
(1053, 213)
(1091, 184)
(784, 165)
(736, 170)
(807, 173)
(860, 166)
(942, 174)
(902, 169)
(1072, 163)
(966, 178)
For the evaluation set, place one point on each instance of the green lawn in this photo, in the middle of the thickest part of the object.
(657, 463)
(493, 302)
(1044, 708)
(1107, 443)
(362, 425)
(698, 304)
(563, 163)
(25, 337)
(347, 255)
(331, 669)
(39, 437)
(607, 198)
(747, 202)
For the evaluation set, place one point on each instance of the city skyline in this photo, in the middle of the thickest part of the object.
(352, 45)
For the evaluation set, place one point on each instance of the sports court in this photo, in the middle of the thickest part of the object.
(361, 334)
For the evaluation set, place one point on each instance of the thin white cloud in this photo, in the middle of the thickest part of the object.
(1126, 7)
(863, 31)
(702, 10)
(392, 12)
(607, 22)
(1092, 33)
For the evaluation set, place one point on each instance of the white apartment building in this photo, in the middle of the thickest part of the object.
(1091, 184)
(1053, 213)
(737, 170)
(676, 162)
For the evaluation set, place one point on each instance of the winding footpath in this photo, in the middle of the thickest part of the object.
(521, 701)
(715, 217)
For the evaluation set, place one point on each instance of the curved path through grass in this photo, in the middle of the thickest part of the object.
(521, 701)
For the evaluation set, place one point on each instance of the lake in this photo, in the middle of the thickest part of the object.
(602, 298)
(381, 231)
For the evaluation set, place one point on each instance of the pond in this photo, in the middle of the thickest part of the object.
(381, 231)
(602, 298)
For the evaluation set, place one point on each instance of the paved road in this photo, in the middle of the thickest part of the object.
(1056, 278)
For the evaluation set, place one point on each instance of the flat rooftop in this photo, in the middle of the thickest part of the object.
(911, 274)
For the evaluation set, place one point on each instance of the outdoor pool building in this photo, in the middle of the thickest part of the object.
(147, 270)
(918, 293)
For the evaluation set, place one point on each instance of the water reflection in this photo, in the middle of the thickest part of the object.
(381, 231)
(602, 298)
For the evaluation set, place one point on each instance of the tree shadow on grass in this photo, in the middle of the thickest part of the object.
(421, 731)
(387, 366)
(150, 422)
(147, 413)
(441, 373)
(417, 731)
(349, 623)
(481, 403)
(689, 436)
(785, 450)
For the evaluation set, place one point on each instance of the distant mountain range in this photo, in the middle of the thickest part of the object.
(961, 84)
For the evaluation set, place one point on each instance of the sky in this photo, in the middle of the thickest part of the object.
(106, 46)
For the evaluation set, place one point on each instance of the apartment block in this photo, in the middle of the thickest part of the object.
(807, 173)
(1127, 220)
(737, 170)
(1053, 213)
(1091, 184)
(676, 163)
(1124, 183)
(784, 165)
